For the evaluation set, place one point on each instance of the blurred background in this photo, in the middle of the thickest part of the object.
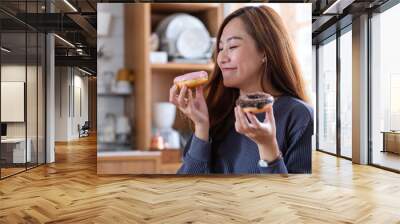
(143, 48)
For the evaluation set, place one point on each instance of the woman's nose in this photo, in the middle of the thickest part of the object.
(223, 57)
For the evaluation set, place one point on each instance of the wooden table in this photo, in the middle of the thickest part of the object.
(139, 162)
(14, 150)
(391, 141)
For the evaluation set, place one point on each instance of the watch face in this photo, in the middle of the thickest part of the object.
(262, 163)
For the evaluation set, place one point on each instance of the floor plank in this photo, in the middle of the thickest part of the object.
(69, 191)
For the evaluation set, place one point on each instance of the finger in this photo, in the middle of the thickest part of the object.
(269, 115)
(237, 118)
(253, 120)
(237, 122)
(199, 92)
(181, 97)
(172, 94)
(237, 127)
(190, 102)
(247, 120)
(190, 94)
(194, 105)
(243, 120)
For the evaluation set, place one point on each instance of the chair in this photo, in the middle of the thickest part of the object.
(84, 130)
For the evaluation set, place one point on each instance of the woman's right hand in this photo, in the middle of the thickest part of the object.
(194, 107)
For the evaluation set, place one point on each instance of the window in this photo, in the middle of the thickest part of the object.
(346, 93)
(385, 88)
(327, 96)
(22, 76)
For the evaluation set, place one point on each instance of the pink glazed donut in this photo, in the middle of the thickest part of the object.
(191, 80)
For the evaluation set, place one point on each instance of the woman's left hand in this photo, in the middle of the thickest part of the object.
(262, 133)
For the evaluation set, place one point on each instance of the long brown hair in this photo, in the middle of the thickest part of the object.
(281, 67)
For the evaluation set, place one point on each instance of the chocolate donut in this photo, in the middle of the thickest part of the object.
(255, 102)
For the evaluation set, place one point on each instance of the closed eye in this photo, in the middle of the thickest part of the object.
(230, 48)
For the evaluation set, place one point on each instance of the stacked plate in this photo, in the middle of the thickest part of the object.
(183, 35)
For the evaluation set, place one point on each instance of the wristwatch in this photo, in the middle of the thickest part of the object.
(265, 163)
(262, 163)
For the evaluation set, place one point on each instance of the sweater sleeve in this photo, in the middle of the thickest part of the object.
(276, 167)
(298, 156)
(196, 157)
(299, 143)
(298, 136)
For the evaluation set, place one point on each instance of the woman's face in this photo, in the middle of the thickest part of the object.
(238, 57)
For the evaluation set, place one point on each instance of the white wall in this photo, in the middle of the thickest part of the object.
(68, 82)
(79, 117)
(33, 126)
(61, 103)
(16, 73)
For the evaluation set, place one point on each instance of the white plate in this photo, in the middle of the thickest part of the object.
(193, 43)
(171, 27)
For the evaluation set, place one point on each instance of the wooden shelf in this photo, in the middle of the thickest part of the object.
(113, 143)
(113, 95)
(153, 81)
(179, 67)
(112, 147)
(183, 7)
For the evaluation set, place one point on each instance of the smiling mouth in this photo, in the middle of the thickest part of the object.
(228, 69)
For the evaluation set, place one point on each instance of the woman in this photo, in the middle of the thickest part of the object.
(254, 53)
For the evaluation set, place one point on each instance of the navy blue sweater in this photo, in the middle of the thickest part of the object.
(237, 154)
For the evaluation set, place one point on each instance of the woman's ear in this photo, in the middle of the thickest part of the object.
(264, 59)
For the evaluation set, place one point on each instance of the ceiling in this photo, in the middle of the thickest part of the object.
(77, 23)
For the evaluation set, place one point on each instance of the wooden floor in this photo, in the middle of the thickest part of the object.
(10, 171)
(388, 159)
(69, 191)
